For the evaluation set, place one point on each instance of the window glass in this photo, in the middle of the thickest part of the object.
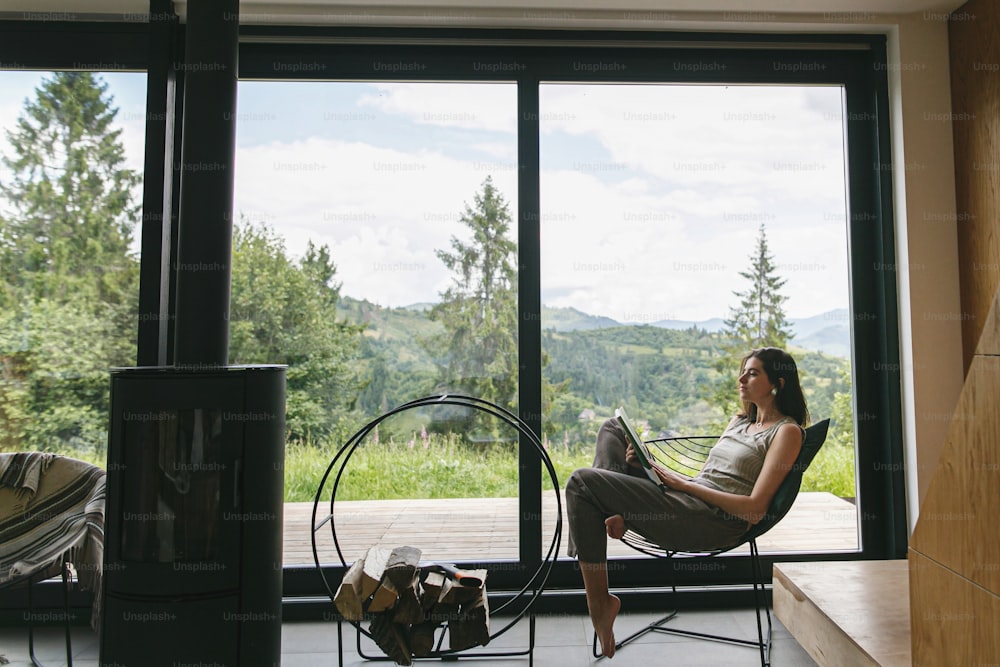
(682, 226)
(71, 160)
(375, 253)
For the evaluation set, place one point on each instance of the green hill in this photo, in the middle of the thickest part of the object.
(571, 319)
(662, 374)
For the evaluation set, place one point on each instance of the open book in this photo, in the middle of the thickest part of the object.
(638, 446)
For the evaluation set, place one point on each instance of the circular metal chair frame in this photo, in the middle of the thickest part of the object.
(535, 584)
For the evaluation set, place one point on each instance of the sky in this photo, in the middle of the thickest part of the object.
(651, 195)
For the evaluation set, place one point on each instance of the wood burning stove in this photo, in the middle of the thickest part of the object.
(193, 535)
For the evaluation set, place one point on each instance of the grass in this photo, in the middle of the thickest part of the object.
(443, 467)
(454, 470)
(832, 470)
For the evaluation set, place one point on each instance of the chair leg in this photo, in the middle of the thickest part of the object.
(760, 600)
(31, 628)
(652, 627)
(763, 643)
(66, 622)
(66, 618)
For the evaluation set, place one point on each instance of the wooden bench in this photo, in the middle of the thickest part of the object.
(846, 612)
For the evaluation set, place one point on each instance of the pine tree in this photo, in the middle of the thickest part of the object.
(758, 321)
(478, 350)
(70, 204)
(68, 284)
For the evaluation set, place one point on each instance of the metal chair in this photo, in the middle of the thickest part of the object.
(687, 454)
(29, 583)
(51, 524)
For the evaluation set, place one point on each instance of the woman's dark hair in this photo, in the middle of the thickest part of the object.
(779, 365)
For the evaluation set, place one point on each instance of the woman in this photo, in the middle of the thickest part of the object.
(713, 510)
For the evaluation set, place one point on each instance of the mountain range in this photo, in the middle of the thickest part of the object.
(666, 368)
(828, 332)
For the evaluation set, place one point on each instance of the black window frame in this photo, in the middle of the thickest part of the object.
(530, 57)
(857, 62)
(50, 46)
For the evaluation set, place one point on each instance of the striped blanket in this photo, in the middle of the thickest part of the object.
(51, 511)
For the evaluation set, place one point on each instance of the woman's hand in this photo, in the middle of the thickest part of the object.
(630, 457)
(670, 478)
(780, 458)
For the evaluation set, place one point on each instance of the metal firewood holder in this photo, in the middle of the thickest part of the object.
(518, 605)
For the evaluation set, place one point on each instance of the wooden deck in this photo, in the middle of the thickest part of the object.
(487, 528)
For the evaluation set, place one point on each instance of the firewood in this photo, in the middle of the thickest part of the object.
(431, 589)
(374, 567)
(384, 598)
(422, 638)
(442, 612)
(405, 612)
(408, 609)
(472, 627)
(348, 597)
(391, 638)
(402, 565)
(459, 594)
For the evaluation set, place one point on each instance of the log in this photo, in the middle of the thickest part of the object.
(384, 598)
(472, 626)
(442, 613)
(430, 592)
(408, 609)
(422, 638)
(402, 566)
(348, 598)
(391, 638)
(459, 594)
(375, 561)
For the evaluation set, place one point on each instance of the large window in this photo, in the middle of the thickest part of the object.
(648, 179)
(559, 228)
(640, 172)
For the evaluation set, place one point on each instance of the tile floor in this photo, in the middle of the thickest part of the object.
(561, 641)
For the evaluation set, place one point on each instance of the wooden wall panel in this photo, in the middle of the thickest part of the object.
(958, 518)
(974, 50)
(955, 547)
(953, 621)
(989, 340)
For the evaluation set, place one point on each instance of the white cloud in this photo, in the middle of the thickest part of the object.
(651, 195)
(630, 260)
(654, 233)
(381, 211)
(505, 151)
(717, 162)
(480, 106)
(743, 137)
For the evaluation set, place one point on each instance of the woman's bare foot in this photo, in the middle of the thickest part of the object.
(603, 615)
(615, 526)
